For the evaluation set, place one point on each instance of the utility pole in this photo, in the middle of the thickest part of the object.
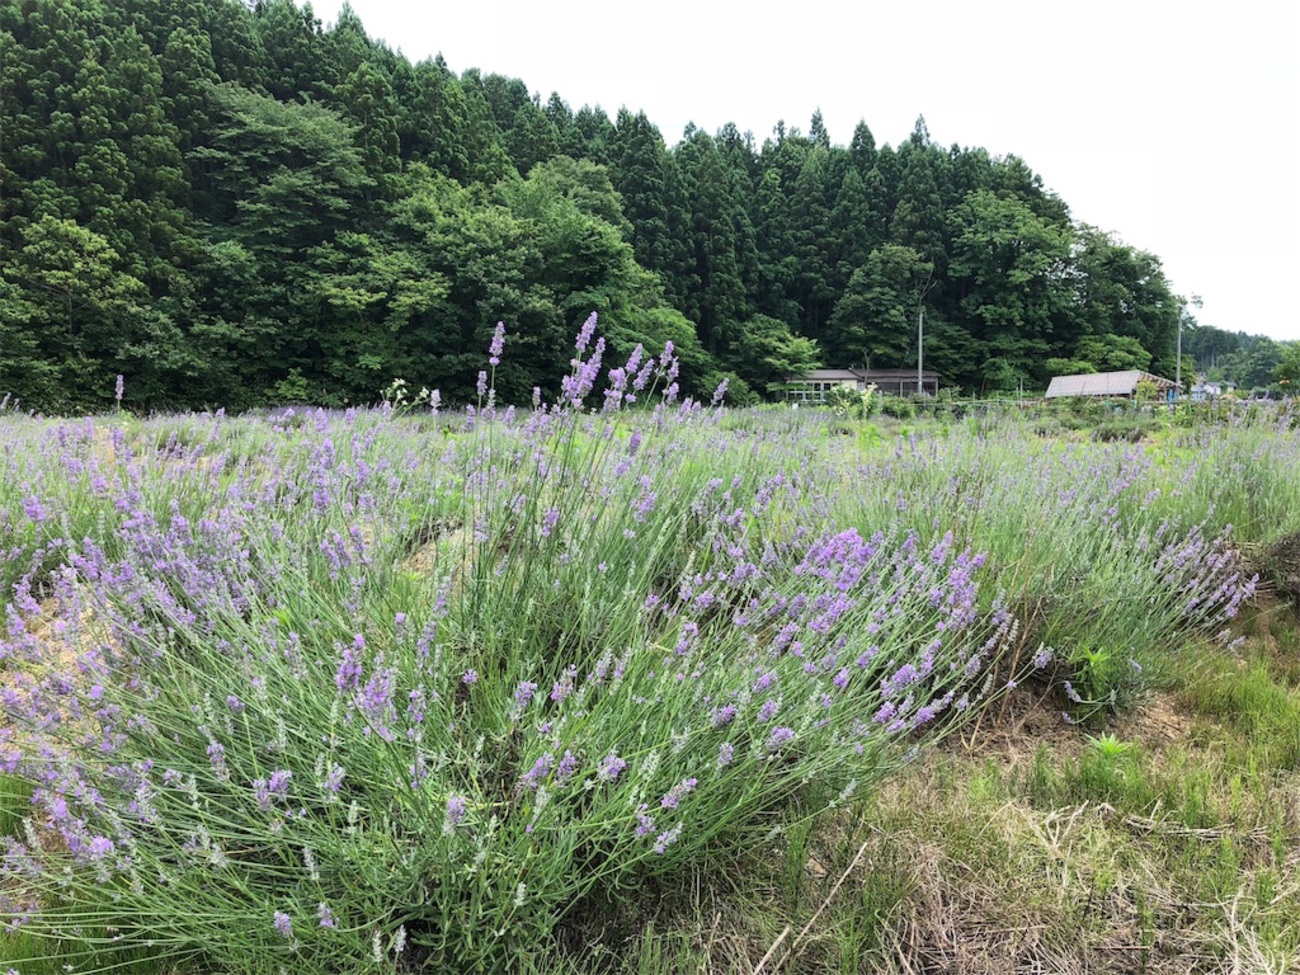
(920, 332)
(920, 349)
(1178, 367)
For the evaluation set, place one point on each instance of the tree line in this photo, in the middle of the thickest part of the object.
(235, 205)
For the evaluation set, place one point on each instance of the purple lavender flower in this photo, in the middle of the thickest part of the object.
(634, 360)
(456, 806)
(905, 675)
(498, 344)
(536, 775)
(668, 359)
(469, 677)
(779, 737)
(283, 925)
(481, 386)
(119, 389)
(723, 716)
(376, 700)
(217, 756)
(584, 335)
(349, 672)
(524, 694)
(610, 767)
(673, 797)
(689, 632)
(33, 510)
(564, 686)
(550, 518)
(564, 771)
(726, 752)
(645, 824)
(325, 915)
(665, 840)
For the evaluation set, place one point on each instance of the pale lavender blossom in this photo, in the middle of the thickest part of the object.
(779, 737)
(673, 797)
(610, 767)
(539, 773)
(456, 806)
(585, 333)
(498, 344)
(524, 694)
(564, 771)
(349, 672)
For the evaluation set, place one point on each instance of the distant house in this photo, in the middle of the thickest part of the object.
(812, 387)
(1111, 385)
(1203, 390)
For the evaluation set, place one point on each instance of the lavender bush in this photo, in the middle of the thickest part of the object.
(368, 690)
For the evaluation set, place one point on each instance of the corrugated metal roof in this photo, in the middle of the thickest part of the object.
(893, 374)
(847, 375)
(825, 375)
(1103, 384)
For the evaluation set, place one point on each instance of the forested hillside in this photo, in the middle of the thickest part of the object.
(232, 205)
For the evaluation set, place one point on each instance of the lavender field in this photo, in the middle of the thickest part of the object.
(498, 689)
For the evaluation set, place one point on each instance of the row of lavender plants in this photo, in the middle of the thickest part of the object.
(359, 692)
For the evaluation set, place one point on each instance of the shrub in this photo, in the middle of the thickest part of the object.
(276, 739)
(850, 402)
(898, 407)
(1128, 429)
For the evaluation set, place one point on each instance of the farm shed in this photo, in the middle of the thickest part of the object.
(1112, 385)
(812, 387)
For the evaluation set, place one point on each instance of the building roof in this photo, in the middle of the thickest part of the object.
(1104, 384)
(871, 375)
(865, 375)
(829, 375)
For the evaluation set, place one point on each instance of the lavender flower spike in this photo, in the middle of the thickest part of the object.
(498, 344)
(586, 333)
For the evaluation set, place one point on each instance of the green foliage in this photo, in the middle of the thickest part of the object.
(1068, 367)
(848, 401)
(250, 192)
(768, 353)
(898, 407)
(1113, 353)
(1287, 371)
(1130, 429)
(875, 320)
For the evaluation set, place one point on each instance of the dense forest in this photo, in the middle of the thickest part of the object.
(235, 205)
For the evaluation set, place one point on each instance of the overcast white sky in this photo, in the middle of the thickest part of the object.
(1174, 124)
